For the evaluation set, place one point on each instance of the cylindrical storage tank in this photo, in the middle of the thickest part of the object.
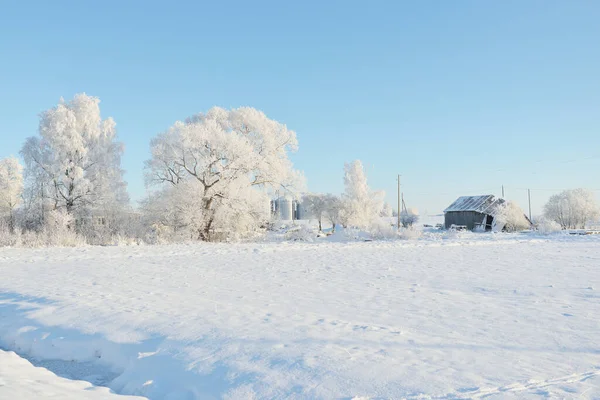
(299, 211)
(285, 209)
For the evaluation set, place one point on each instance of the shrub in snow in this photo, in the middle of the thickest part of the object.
(302, 232)
(354, 234)
(546, 226)
(410, 233)
(216, 169)
(454, 234)
(511, 218)
(59, 229)
(8, 237)
(382, 229)
(409, 218)
(572, 209)
(34, 239)
(120, 240)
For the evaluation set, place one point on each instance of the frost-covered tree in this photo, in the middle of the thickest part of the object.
(409, 217)
(315, 205)
(11, 188)
(74, 164)
(387, 210)
(362, 207)
(233, 157)
(323, 207)
(572, 208)
(335, 209)
(511, 218)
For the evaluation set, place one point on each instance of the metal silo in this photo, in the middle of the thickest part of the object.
(299, 211)
(285, 209)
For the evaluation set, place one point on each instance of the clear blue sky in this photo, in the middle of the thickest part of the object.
(459, 97)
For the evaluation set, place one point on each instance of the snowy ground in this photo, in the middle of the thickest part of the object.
(21, 380)
(444, 317)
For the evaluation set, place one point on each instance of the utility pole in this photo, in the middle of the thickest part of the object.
(399, 199)
(502, 191)
(529, 198)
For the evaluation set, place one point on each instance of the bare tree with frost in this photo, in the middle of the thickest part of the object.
(323, 207)
(11, 188)
(409, 217)
(315, 205)
(572, 209)
(226, 160)
(335, 209)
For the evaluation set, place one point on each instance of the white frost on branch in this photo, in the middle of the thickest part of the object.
(227, 161)
(11, 187)
(511, 218)
(362, 207)
(76, 159)
(572, 209)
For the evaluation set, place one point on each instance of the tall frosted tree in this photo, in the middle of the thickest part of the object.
(362, 207)
(11, 187)
(75, 162)
(224, 161)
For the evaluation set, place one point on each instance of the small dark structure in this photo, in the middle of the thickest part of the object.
(473, 212)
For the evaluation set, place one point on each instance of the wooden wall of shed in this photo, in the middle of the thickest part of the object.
(468, 218)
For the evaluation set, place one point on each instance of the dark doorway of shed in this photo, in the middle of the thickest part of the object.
(489, 220)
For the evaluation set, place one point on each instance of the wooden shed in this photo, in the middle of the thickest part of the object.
(473, 212)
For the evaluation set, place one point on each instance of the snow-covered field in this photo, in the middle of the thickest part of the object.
(442, 317)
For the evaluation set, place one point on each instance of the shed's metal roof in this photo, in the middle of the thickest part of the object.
(486, 204)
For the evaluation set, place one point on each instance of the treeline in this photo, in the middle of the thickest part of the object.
(210, 177)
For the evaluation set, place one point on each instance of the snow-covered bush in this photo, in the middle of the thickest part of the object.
(572, 209)
(511, 218)
(410, 233)
(547, 226)
(302, 232)
(120, 240)
(59, 230)
(409, 218)
(34, 239)
(382, 229)
(8, 237)
(350, 234)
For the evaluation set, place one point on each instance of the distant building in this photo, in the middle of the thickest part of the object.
(286, 209)
(473, 212)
